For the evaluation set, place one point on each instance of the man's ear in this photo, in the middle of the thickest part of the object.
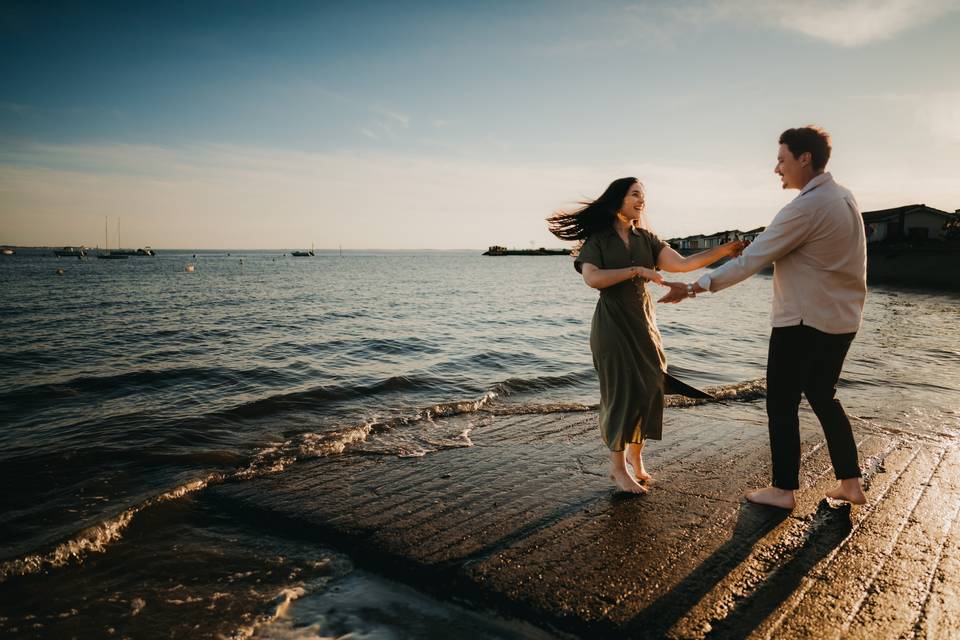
(806, 159)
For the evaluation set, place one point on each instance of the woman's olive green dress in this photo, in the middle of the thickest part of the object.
(625, 342)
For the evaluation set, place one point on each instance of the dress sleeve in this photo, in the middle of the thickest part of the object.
(656, 244)
(589, 252)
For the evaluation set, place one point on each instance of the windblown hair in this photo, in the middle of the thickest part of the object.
(809, 138)
(592, 216)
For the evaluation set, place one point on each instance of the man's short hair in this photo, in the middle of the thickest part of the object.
(809, 138)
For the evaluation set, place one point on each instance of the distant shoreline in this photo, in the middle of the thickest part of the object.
(241, 250)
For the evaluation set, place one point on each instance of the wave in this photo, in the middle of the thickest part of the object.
(542, 383)
(423, 430)
(433, 428)
(95, 539)
(310, 397)
(119, 383)
(746, 391)
(281, 605)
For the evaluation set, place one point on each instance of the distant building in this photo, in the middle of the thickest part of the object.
(910, 223)
(751, 235)
(700, 241)
(916, 222)
(690, 242)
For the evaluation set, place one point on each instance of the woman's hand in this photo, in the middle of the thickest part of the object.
(651, 275)
(735, 248)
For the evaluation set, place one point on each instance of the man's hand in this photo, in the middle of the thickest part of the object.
(678, 291)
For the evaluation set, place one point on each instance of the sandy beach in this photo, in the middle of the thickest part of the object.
(524, 523)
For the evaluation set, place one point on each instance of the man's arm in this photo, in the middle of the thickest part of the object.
(789, 229)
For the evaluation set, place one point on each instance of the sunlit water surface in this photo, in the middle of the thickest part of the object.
(128, 386)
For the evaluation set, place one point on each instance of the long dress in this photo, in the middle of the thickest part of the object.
(625, 342)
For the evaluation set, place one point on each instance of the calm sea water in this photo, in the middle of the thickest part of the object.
(129, 386)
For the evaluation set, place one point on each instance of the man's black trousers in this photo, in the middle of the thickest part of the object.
(804, 360)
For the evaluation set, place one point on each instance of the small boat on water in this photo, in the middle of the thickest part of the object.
(71, 252)
(303, 254)
(497, 250)
(144, 251)
(7, 251)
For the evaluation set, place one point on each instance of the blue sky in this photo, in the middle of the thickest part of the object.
(448, 125)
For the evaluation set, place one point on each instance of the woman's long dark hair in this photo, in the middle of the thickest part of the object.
(592, 216)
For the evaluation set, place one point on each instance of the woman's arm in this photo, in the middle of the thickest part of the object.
(670, 260)
(599, 278)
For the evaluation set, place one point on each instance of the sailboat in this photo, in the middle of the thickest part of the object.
(106, 243)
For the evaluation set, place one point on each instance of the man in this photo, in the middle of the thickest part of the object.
(818, 247)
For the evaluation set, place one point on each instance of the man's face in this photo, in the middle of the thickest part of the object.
(793, 172)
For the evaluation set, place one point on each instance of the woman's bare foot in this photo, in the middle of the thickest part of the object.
(635, 459)
(849, 490)
(772, 496)
(625, 482)
(638, 469)
(620, 476)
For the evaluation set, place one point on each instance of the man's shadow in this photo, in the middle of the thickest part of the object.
(827, 529)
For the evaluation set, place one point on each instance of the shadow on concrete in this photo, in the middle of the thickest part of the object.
(828, 528)
(753, 523)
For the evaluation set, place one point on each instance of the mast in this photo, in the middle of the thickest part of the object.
(106, 238)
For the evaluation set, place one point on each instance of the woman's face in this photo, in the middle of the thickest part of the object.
(633, 203)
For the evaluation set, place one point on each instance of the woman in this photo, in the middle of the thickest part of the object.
(618, 255)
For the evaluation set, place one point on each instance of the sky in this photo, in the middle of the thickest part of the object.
(447, 125)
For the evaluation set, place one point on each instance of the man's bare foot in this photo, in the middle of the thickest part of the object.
(773, 497)
(624, 482)
(849, 490)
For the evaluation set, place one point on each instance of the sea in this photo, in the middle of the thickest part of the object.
(130, 387)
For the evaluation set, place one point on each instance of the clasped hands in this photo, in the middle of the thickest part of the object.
(678, 290)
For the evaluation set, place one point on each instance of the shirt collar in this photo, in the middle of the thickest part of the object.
(816, 182)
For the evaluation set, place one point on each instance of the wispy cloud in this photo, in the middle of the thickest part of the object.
(387, 125)
(936, 112)
(393, 116)
(848, 23)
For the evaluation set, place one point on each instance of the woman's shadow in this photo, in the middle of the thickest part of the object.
(826, 530)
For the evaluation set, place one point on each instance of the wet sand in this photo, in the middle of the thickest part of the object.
(525, 523)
